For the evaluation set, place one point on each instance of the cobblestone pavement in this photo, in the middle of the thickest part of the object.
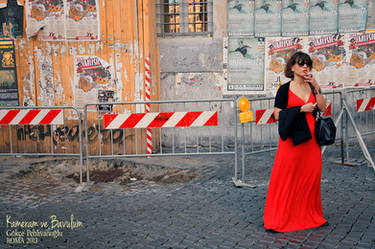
(209, 212)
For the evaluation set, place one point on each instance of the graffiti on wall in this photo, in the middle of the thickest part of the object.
(68, 134)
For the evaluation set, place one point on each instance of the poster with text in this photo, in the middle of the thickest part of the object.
(241, 17)
(267, 17)
(277, 52)
(328, 53)
(47, 16)
(245, 64)
(91, 74)
(8, 74)
(295, 17)
(11, 20)
(323, 16)
(361, 57)
(370, 24)
(82, 20)
(352, 15)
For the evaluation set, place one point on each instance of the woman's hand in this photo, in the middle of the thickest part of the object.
(310, 79)
(309, 107)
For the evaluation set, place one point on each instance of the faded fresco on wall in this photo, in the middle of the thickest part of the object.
(8, 74)
(198, 85)
(92, 74)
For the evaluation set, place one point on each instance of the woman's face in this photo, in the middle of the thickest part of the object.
(301, 69)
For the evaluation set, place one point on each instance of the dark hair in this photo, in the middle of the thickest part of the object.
(299, 58)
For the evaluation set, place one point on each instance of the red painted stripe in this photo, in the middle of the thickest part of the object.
(161, 119)
(132, 120)
(108, 118)
(188, 119)
(212, 121)
(9, 116)
(29, 117)
(359, 103)
(371, 104)
(328, 112)
(258, 115)
(271, 119)
(51, 115)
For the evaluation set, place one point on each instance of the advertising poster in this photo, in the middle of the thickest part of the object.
(8, 74)
(323, 16)
(91, 75)
(329, 58)
(63, 19)
(245, 64)
(241, 17)
(11, 19)
(48, 16)
(352, 15)
(361, 57)
(295, 17)
(277, 52)
(267, 17)
(82, 22)
(370, 24)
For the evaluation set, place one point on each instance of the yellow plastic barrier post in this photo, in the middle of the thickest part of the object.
(245, 114)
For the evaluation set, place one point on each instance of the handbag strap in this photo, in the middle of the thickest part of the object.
(316, 110)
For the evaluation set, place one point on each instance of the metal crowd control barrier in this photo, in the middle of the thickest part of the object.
(176, 128)
(41, 131)
(261, 135)
(359, 105)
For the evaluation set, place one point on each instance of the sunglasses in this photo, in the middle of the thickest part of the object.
(301, 63)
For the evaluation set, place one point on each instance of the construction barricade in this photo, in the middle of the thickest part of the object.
(161, 128)
(41, 131)
(261, 134)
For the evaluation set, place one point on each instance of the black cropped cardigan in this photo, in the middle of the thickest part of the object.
(292, 122)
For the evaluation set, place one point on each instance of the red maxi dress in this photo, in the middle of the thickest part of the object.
(293, 199)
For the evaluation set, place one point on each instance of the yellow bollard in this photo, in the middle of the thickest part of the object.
(245, 115)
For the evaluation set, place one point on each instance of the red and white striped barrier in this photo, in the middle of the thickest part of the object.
(160, 119)
(328, 112)
(31, 117)
(264, 116)
(367, 104)
(148, 98)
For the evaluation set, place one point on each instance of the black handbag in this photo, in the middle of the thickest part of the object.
(325, 130)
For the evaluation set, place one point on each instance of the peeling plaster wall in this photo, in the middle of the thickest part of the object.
(192, 68)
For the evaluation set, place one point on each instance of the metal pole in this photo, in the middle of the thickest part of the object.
(87, 147)
(243, 151)
(235, 139)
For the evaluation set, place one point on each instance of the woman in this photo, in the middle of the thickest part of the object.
(293, 200)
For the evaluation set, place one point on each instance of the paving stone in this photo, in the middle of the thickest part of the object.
(206, 213)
